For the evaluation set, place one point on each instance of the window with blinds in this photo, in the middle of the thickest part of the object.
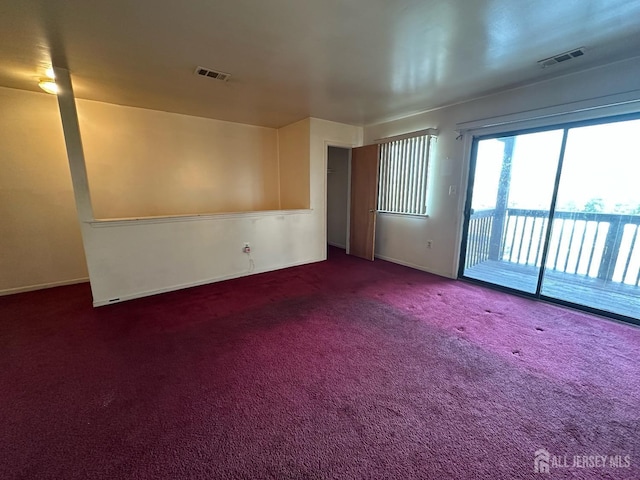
(404, 165)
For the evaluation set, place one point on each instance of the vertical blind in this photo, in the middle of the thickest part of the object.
(402, 187)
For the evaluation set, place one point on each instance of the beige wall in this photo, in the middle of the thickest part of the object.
(40, 242)
(293, 141)
(146, 163)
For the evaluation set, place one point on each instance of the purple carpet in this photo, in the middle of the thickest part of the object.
(339, 370)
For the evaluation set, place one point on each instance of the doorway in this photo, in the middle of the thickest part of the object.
(338, 181)
(555, 214)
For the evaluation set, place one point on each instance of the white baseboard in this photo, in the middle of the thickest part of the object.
(148, 293)
(42, 286)
(337, 245)
(413, 265)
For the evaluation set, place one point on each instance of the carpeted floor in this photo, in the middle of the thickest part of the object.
(339, 370)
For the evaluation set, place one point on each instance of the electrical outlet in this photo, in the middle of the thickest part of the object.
(246, 248)
(429, 243)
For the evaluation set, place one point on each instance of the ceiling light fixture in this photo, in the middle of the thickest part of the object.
(49, 85)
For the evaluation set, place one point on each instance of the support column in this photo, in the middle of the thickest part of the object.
(73, 142)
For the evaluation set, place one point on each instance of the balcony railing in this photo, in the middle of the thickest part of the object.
(596, 245)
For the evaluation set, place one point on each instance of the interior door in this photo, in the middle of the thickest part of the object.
(364, 199)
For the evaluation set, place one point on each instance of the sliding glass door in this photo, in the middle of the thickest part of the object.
(556, 214)
(594, 249)
(511, 201)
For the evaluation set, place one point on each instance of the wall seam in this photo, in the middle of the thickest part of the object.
(278, 168)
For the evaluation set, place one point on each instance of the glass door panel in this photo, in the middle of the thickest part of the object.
(513, 186)
(594, 249)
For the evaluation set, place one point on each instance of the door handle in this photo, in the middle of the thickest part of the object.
(371, 211)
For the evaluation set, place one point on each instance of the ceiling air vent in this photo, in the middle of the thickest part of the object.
(561, 57)
(207, 72)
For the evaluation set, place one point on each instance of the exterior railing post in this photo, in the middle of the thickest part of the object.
(502, 199)
(611, 249)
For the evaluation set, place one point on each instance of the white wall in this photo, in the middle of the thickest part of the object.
(138, 258)
(129, 259)
(337, 192)
(403, 239)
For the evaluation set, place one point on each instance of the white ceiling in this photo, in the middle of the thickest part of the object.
(352, 61)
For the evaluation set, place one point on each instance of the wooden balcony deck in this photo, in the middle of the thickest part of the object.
(592, 292)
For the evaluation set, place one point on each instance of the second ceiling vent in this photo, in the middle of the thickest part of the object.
(561, 57)
(215, 74)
